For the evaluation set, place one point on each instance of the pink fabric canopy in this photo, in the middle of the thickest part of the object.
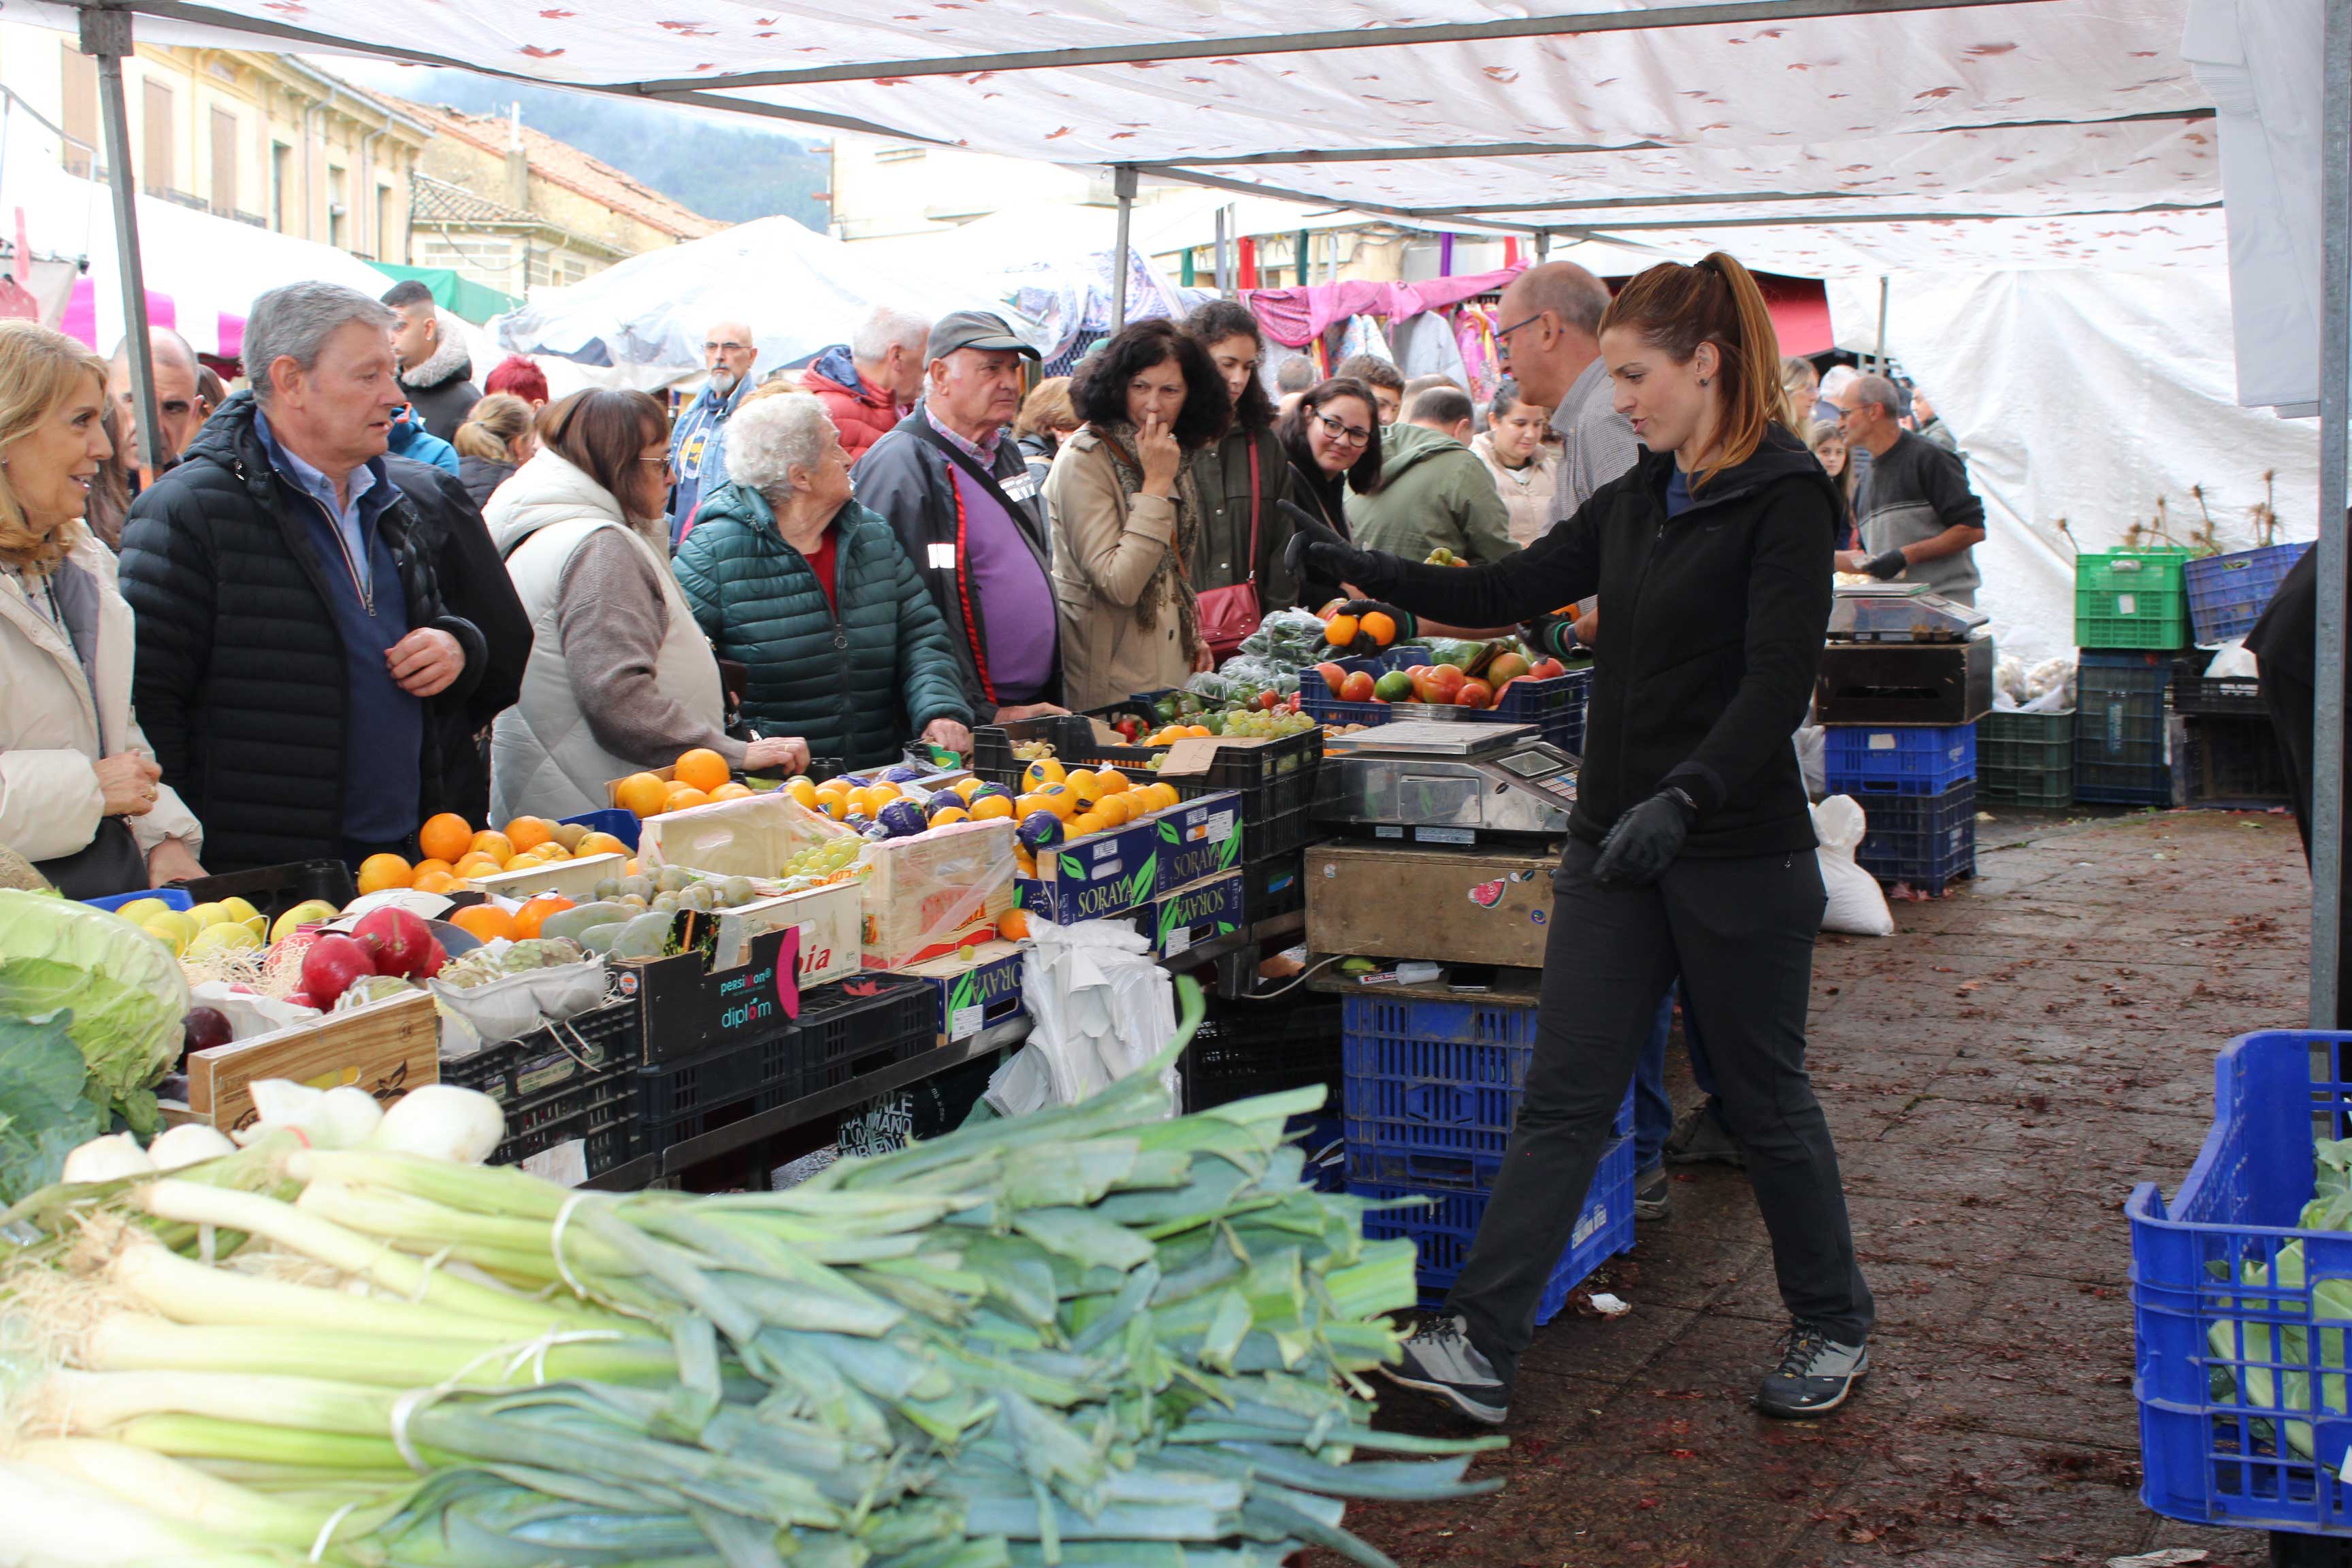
(1297, 317)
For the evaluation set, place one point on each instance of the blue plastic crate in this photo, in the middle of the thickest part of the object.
(1432, 1087)
(1315, 701)
(176, 897)
(1899, 759)
(2227, 594)
(621, 825)
(2221, 1331)
(1442, 1231)
(1926, 840)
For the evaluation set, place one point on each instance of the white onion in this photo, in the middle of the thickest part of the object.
(442, 1121)
(190, 1143)
(346, 1119)
(108, 1159)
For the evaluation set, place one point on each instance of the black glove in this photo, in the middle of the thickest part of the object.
(1315, 550)
(1888, 566)
(1408, 625)
(1645, 840)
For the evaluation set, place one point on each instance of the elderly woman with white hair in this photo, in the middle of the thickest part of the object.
(810, 591)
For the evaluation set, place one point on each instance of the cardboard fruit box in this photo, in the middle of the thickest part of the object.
(931, 893)
(976, 993)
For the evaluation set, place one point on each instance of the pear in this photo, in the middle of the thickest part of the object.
(138, 911)
(236, 909)
(232, 936)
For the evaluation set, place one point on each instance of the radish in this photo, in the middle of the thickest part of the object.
(332, 963)
(400, 944)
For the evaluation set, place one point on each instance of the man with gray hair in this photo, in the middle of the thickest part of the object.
(171, 370)
(1551, 344)
(1917, 516)
(294, 654)
(870, 382)
(728, 352)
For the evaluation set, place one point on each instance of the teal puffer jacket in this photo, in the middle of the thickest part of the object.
(857, 687)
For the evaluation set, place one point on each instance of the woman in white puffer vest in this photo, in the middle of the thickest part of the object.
(620, 678)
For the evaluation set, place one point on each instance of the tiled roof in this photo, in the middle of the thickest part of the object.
(563, 164)
(438, 201)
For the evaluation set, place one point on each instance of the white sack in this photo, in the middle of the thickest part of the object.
(2233, 661)
(1856, 905)
(1100, 1009)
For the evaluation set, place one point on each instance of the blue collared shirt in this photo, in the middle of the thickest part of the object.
(354, 520)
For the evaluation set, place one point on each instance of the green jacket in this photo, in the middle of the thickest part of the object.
(856, 687)
(1434, 491)
(1221, 473)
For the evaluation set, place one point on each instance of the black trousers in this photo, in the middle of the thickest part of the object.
(1740, 933)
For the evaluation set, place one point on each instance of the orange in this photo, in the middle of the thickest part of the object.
(682, 796)
(1110, 781)
(497, 845)
(834, 804)
(599, 844)
(948, 816)
(529, 831)
(472, 866)
(446, 836)
(1085, 823)
(442, 882)
(1025, 804)
(732, 790)
(1117, 810)
(642, 794)
(967, 787)
(486, 921)
(378, 872)
(527, 918)
(1060, 800)
(1043, 770)
(1163, 795)
(701, 768)
(428, 868)
(881, 792)
(1381, 625)
(1013, 925)
(994, 806)
(801, 789)
(1199, 731)
(1341, 630)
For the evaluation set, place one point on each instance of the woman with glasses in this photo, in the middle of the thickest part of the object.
(620, 678)
(1690, 848)
(1126, 514)
(1332, 435)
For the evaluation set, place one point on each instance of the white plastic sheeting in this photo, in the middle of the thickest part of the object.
(2086, 396)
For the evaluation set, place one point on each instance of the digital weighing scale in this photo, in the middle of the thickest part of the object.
(1899, 653)
(1900, 611)
(1421, 782)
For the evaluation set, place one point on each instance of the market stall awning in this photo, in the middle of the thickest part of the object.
(469, 300)
(1874, 117)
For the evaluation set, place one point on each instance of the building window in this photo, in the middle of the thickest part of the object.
(155, 146)
(79, 103)
(338, 210)
(281, 169)
(224, 163)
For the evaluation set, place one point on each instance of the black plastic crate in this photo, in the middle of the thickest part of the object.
(609, 1039)
(1275, 781)
(992, 760)
(2193, 691)
(2233, 763)
(600, 1110)
(2026, 759)
(1243, 1049)
(2120, 755)
(864, 1024)
(274, 890)
(1276, 886)
(1926, 840)
(670, 1091)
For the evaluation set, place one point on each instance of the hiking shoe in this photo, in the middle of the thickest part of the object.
(1814, 1376)
(1651, 1199)
(1440, 1359)
(1700, 1138)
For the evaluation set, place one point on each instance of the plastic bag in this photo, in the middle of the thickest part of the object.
(1291, 639)
(1855, 904)
(508, 1009)
(1099, 1007)
(2047, 687)
(249, 1013)
(756, 836)
(2233, 661)
(927, 895)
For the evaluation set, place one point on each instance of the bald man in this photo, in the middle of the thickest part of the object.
(171, 365)
(1550, 341)
(727, 351)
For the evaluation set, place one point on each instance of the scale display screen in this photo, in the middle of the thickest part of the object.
(1532, 765)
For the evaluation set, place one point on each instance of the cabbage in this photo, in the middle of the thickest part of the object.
(124, 987)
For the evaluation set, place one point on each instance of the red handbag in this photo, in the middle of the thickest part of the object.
(1229, 615)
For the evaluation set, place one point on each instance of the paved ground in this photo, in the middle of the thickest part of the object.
(1999, 1074)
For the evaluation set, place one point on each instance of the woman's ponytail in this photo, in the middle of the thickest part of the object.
(1677, 308)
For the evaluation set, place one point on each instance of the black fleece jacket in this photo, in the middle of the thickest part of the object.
(1714, 633)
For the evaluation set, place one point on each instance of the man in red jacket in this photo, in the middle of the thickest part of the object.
(869, 384)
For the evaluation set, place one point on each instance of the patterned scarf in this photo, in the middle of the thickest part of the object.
(1169, 580)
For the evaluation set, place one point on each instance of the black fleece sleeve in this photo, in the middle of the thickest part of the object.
(1944, 477)
(475, 587)
(1790, 589)
(1562, 567)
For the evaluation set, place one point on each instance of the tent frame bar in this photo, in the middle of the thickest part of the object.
(1721, 14)
(1122, 184)
(106, 36)
(2335, 552)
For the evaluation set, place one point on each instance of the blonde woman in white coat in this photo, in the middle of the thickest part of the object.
(82, 794)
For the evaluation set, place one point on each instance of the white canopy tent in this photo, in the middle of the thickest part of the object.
(1835, 137)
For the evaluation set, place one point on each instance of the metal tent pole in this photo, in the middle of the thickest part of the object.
(1543, 245)
(1881, 326)
(106, 35)
(2335, 407)
(1122, 184)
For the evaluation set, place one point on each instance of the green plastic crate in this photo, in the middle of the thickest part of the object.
(2131, 598)
(2026, 759)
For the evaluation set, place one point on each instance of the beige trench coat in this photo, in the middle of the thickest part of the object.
(1107, 545)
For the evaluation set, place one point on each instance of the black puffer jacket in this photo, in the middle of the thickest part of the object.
(239, 680)
(1712, 639)
(480, 476)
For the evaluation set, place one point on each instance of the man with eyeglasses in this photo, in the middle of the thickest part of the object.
(172, 369)
(1551, 344)
(728, 352)
(1918, 517)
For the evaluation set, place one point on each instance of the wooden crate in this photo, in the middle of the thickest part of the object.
(387, 1048)
(1453, 906)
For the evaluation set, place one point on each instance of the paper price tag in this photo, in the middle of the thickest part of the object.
(1179, 940)
(964, 1022)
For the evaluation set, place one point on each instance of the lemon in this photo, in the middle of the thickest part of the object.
(229, 936)
(236, 909)
(170, 929)
(138, 911)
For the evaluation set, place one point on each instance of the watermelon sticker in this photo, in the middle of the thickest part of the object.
(1486, 895)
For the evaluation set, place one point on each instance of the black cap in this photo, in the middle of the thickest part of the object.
(974, 330)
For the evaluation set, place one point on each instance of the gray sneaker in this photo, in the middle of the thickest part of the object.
(1700, 1138)
(1651, 1196)
(1440, 1359)
(1814, 1376)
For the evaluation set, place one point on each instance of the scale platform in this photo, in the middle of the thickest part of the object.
(1900, 613)
(1446, 783)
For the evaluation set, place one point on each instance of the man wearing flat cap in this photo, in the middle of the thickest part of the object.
(954, 485)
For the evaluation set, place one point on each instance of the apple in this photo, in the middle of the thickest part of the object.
(1356, 687)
